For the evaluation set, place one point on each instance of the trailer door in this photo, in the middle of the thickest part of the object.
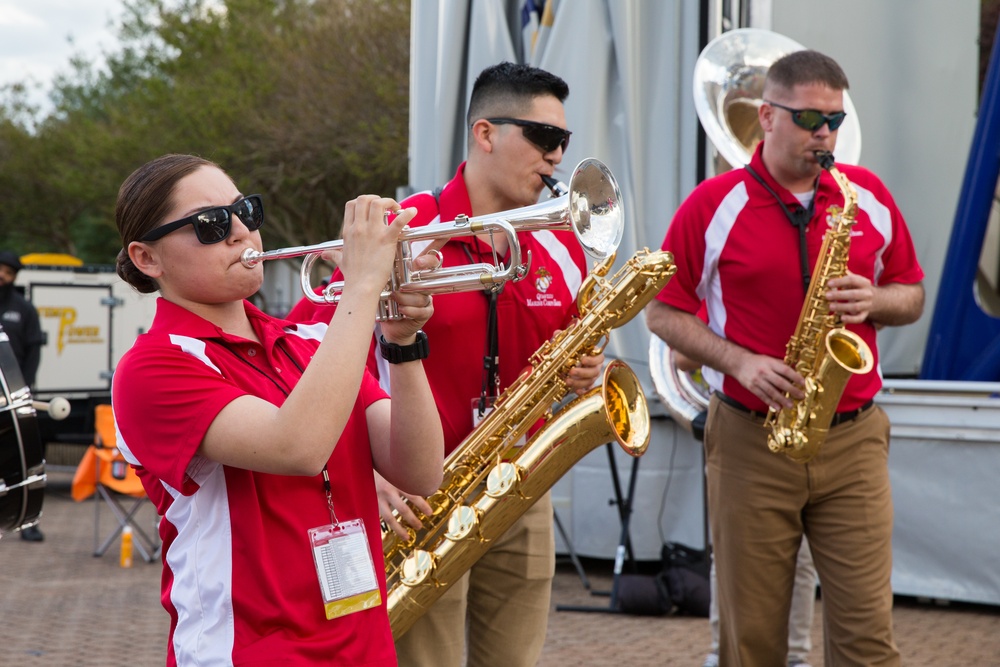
(76, 320)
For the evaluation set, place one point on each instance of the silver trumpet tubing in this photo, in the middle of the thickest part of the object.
(476, 276)
(591, 206)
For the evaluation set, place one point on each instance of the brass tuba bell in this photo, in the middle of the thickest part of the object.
(728, 87)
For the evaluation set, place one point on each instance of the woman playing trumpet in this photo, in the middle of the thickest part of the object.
(270, 520)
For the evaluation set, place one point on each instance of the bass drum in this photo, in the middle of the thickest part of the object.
(22, 462)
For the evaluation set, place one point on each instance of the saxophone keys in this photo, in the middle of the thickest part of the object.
(504, 477)
(417, 568)
(462, 522)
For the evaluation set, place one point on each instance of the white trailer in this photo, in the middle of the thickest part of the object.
(90, 317)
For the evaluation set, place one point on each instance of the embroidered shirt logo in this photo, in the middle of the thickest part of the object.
(543, 281)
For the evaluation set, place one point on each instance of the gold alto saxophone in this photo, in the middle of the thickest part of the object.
(489, 482)
(821, 349)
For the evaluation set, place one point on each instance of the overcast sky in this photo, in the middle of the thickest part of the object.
(35, 35)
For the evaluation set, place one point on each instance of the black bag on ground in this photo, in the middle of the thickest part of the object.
(686, 578)
(643, 595)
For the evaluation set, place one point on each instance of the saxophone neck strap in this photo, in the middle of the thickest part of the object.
(799, 218)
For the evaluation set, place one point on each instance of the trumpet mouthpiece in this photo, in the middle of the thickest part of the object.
(250, 258)
(557, 188)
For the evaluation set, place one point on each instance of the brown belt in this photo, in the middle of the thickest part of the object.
(838, 418)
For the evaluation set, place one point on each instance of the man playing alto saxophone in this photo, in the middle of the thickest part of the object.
(517, 135)
(735, 248)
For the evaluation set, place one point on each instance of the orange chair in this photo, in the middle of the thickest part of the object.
(105, 474)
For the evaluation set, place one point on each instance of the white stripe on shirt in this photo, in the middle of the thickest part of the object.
(560, 255)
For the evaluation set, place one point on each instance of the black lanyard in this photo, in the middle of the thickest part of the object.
(799, 219)
(491, 357)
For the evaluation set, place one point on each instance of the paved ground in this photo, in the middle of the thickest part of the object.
(62, 607)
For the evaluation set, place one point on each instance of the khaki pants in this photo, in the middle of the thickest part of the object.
(502, 603)
(800, 618)
(760, 505)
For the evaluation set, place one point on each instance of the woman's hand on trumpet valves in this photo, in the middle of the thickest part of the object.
(415, 307)
(369, 248)
(367, 256)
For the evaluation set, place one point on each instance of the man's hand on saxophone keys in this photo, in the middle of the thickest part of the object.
(851, 296)
(770, 379)
(586, 372)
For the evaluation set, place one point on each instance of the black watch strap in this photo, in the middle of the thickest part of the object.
(399, 354)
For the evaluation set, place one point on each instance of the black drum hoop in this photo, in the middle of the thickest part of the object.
(22, 462)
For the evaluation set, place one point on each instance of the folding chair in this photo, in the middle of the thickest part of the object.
(105, 474)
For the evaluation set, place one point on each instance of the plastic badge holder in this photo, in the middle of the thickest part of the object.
(345, 568)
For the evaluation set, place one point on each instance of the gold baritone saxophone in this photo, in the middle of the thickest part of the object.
(489, 482)
(821, 349)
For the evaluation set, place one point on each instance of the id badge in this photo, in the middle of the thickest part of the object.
(477, 417)
(345, 568)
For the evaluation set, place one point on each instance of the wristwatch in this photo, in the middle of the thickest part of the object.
(400, 354)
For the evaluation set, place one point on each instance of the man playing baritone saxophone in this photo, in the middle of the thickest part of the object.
(516, 135)
(736, 249)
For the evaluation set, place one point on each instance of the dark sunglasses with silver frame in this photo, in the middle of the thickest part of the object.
(812, 119)
(214, 224)
(546, 137)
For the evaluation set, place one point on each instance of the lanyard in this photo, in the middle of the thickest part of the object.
(491, 357)
(799, 219)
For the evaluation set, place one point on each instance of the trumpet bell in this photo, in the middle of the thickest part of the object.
(728, 89)
(595, 208)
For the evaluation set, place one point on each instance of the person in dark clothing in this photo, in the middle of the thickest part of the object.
(19, 320)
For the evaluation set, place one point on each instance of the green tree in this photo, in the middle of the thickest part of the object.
(305, 102)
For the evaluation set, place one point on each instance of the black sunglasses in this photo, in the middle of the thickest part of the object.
(811, 119)
(546, 137)
(214, 224)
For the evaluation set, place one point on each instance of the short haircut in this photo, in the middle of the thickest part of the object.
(805, 67)
(507, 89)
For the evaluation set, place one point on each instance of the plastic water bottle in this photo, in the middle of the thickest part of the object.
(126, 551)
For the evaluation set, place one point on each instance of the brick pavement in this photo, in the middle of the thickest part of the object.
(62, 607)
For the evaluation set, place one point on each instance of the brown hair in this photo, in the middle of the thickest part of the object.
(143, 200)
(805, 67)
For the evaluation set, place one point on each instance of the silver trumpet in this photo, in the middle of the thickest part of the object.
(477, 276)
(590, 206)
